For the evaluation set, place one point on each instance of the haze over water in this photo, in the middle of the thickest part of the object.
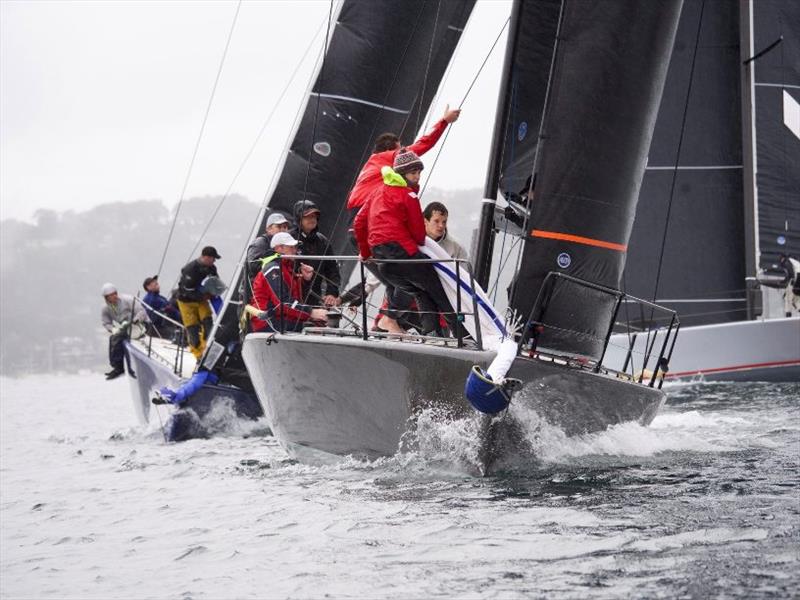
(705, 502)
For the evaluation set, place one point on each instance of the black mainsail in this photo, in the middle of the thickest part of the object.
(733, 206)
(380, 72)
(773, 79)
(609, 64)
(691, 197)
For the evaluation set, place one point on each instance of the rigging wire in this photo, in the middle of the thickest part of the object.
(428, 64)
(675, 171)
(463, 100)
(447, 72)
(240, 272)
(503, 262)
(319, 99)
(257, 139)
(678, 151)
(255, 226)
(199, 138)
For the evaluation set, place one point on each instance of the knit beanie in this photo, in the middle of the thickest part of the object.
(406, 161)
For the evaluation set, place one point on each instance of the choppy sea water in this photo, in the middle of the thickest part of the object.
(705, 502)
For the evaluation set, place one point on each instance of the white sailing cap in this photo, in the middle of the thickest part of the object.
(283, 238)
(276, 219)
(108, 289)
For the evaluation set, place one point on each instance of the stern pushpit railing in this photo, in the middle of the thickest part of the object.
(175, 334)
(573, 321)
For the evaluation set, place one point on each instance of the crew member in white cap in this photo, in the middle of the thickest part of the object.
(278, 291)
(260, 248)
(118, 312)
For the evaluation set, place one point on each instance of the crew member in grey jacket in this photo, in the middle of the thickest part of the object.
(117, 315)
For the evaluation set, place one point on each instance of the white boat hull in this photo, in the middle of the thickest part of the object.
(759, 350)
(346, 396)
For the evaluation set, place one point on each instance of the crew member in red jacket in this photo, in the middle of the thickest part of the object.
(386, 148)
(277, 290)
(390, 226)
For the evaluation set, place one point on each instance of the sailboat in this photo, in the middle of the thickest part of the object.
(343, 121)
(201, 402)
(721, 194)
(581, 88)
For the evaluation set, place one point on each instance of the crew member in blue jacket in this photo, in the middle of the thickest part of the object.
(157, 306)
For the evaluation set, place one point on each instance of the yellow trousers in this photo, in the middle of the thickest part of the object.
(197, 319)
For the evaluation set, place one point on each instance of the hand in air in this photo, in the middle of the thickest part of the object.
(451, 116)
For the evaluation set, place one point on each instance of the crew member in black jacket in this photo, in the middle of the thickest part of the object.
(313, 243)
(193, 301)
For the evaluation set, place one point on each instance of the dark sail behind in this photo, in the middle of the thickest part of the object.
(608, 75)
(702, 269)
(776, 97)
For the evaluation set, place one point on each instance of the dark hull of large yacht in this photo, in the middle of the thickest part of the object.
(148, 374)
(327, 396)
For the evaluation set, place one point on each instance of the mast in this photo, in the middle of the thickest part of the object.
(483, 251)
(748, 139)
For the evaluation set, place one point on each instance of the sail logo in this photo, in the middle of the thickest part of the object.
(564, 260)
(322, 148)
(522, 131)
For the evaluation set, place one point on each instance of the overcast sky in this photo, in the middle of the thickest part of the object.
(104, 101)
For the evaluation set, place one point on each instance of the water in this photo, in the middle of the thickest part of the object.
(703, 503)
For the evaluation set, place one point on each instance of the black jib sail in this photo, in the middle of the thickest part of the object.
(608, 72)
(382, 67)
(529, 53)
(774, 82)
(691, 197)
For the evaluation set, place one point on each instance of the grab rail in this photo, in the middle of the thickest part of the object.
(177, 364)
(536, 325)
(457, 312)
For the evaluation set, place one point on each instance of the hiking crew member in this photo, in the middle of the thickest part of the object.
(116, 316)
(370, 182)
(313, 243)
(390, 226)
(193, 301)
(260, 248)
(278, 290)
(435, 215)
(386, 148)
(156, 307)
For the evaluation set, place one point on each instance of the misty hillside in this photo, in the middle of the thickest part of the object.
(51, 271)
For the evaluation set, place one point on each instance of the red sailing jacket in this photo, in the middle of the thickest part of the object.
(369, 180)
(393, 214)
(267, 296)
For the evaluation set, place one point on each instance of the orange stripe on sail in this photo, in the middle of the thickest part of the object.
(578, 239)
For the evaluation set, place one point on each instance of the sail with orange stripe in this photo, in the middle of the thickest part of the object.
(585, 145)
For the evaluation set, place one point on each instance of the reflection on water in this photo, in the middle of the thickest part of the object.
(702, 503)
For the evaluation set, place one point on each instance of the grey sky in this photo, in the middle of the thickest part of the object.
(103, 101)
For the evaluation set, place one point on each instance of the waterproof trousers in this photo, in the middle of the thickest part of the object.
(116, 349)
(194, 315)
(414, 280)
